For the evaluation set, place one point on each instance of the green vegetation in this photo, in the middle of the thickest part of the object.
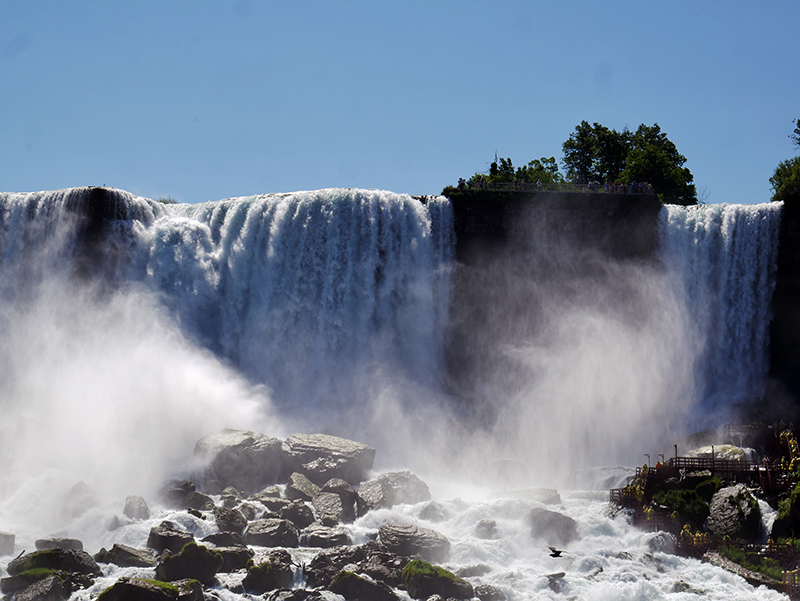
(170, 589)
(785, 181)
(753, 562)
(418, 568)
(167, 200)
(596, 154)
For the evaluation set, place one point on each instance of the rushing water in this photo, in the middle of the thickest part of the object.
(127, 336)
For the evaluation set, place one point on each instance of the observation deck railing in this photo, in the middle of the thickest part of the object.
(639, 189)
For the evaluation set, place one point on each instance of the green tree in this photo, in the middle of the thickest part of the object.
(785, 181)
(543, 170)
(654, 159)
(595, 153)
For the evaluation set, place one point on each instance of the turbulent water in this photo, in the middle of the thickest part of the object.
(130, 330)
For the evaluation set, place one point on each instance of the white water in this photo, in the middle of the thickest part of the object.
(326, 310)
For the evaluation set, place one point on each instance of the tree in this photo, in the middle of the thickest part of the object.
(785, 181)
(543, 170)
(654, 159)
(596, 153)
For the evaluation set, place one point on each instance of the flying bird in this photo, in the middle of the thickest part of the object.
(555, 552)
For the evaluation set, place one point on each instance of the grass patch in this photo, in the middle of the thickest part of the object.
(755, 563)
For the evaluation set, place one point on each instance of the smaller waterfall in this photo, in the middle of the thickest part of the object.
(723, 258)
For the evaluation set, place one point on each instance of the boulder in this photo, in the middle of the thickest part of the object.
(556, 528)
(322, 457)
(486, 529)
(274, 504)
(409, 540)
(394, 488)
(277, 572)
(139, 589)
(734, 512)
(297, 594)
(51, 588)
(7, 541)
(136, 508)
(271, 532)
(346, 493)
(321, 570)
(301, 488)
(317, 535)
(423, 580)
(166, 536)
(246, 460)
(355, 588)
(329, 508)
(433, 512)
(384, 566)
(67, 560)
(225, 539)
(298, 513)
(234, 558)
(487, 592)
(58, 543)
(229, 520)
(194, 562)
(183, 495)
(126, 557)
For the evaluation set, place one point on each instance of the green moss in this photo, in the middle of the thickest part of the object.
(193, 551)
(168, 588)
(688, 503)
(40, 560)
(417, 569)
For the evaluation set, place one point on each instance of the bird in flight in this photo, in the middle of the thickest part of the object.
(555, 552)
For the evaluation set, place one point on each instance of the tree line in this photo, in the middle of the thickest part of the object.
(785, 181)
(595, 155)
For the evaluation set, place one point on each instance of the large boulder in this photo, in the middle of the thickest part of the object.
(301, 488)
(347, 494)
(298, 513)
(317, 535)
(422, 580)
(556, 528)
(353, 587)
(321, 457)
(235, 558)
(167, 536)
(277, 572)
(67, 560)
(271, 532)
(51, 588)
(126, 557)
(329, 508)
(140, 589)
(194, 561)
(734, 512)
(229, 520)
(394, 488)
(321, 570)
(246, 460)
(409, 540)
(136, 508)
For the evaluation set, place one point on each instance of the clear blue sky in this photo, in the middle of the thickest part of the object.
(203, 100)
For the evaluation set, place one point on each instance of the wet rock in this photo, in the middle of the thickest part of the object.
(300, 514)
(317, 535)
(394, 488)
(422, 580)
(7, 541)
(229, 520)
(225, 539)
(250, 512)
(136, 508)
(126, 557)
(246, 460)
(79, 562)
(297, 594)
(273, 504)
(193, 562)
(301, 488)
(487, 592)
(433, 512)
(321, 570)
(355, 588)
(486, 529)
(51, 588)
(409, 540)
(321, 457)
(556, 528)
(734, 512)
(384, 566)
(58, 543)
(277, 572)
(139, 589)
(178, 494)
(234, 558)
(329, 508)
(271, 532)
(474, 571)
(166, 536)
(346, 493)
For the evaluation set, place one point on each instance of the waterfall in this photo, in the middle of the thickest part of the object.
(723, 259)
(309, 293)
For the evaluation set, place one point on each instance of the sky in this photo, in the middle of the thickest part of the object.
(202, 100)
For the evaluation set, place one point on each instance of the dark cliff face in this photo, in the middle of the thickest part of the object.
(785, 328)
(519, 256)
